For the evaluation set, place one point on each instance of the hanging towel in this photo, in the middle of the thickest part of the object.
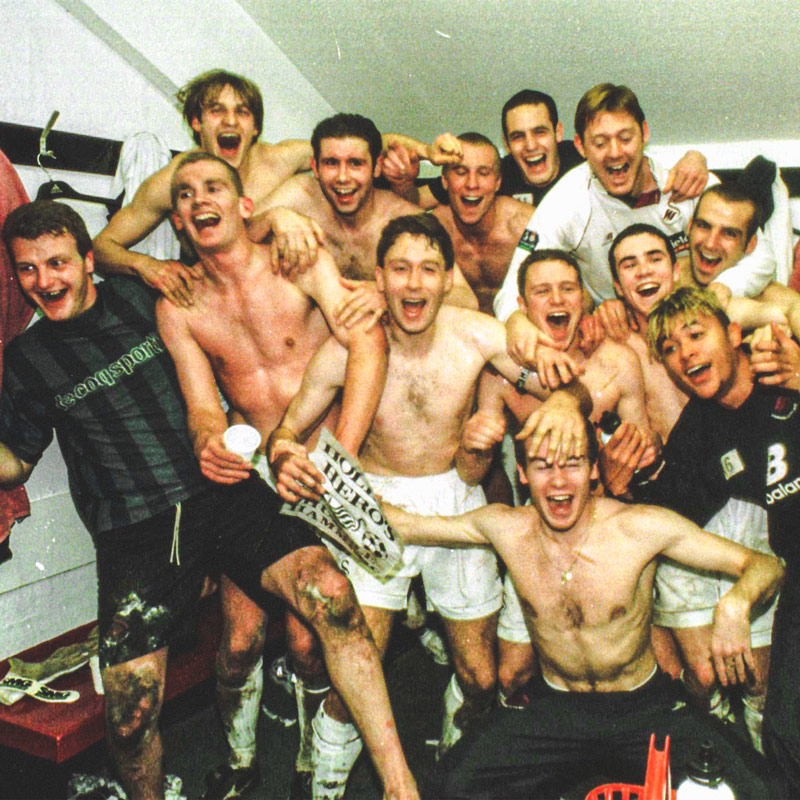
(143, 154)
(15, 313)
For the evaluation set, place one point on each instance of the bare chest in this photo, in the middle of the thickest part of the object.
(355, 253)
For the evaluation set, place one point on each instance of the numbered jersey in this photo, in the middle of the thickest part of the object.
(751, 452)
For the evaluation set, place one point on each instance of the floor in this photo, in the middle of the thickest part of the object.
(194, 743)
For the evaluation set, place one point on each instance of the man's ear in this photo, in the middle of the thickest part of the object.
(176, 221)
(559, 131)
(734, 334)
(379, 285)
(751, 245)
(314, 168)
(88, 261)
(579, 145)
(523, 306)
(196, 124)
(523, 478)
(645, 131)
(246, 207)
(376, 170)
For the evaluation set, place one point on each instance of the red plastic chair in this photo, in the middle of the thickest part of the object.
(657, 781)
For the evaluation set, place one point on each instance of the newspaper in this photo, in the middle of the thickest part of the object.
(349, 513)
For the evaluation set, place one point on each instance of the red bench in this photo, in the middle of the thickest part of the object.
(58, 731)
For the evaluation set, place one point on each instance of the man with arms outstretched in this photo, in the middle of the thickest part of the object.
(600, 695)
(252, 332)
(551, 295)
(436, 354)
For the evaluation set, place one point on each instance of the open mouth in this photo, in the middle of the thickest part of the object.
(648, 289)
(618, 171)
(697, 372)
(707, 263)
(205, 220)
(345, 195)
(413, 308)
(53, 297)
(471, 202)
(536, 161)
(558, 322)
(228, 143)
(559, 504)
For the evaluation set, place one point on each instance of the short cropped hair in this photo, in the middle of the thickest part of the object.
(635, 230)
(46, 217)
(546, 254)
(201, 155)
(606, 97)
(688, 302)
(529, 97)
(204, 89)
(471, 137)
(341, 126)
(426, 225)
(732, 192)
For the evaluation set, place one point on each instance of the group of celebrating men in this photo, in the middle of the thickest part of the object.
(313, 298)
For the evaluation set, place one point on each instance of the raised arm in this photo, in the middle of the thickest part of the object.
(294, 473)
(367, 360)
(150, 206)
(205, 416)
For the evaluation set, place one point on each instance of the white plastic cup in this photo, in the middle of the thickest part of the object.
(242, 440)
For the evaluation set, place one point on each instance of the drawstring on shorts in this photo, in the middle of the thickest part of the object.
(174, 553)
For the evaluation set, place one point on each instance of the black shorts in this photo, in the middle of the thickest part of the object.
(145, 597)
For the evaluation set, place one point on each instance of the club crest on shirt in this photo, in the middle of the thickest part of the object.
(671, 214)
(784, 407)
(528, 240)
(732, 464)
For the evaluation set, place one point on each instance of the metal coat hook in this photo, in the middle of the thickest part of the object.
(43, 151)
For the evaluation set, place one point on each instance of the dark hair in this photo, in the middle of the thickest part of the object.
(635, 230)
(340, 126)
(471, 137)
(204, 89)
(529, 97)
(732, 192)
(546, 254)
(201, 155)
(417, 225)
(43, 217)
(606, 97)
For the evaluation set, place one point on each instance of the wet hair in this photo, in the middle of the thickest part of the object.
(200, 155)
(732, 192)
(546, 254)
(688, 302)
(342, 126)
(606, 97)
(529, 97)
(204, 89)
(426, 225)
(471, 137)
(634, 230)
(46, 217)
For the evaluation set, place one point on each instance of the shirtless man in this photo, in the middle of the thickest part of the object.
(645, 270)
(484, 228)
(226, 114)
(252, 331)
(341, 199)
(551, 295)
(600, 695)
(436, 354)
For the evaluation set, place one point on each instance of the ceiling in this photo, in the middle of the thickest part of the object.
(704, 70)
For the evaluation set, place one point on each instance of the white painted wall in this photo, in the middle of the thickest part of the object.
(112, 87)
